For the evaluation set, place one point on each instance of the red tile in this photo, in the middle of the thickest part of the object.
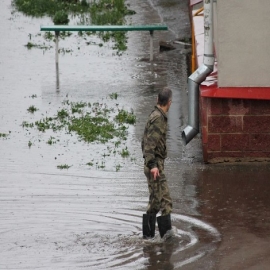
(260, 107)
(213, 142)
(204, 135)
(215, 106)
(256, 124)
(224, 124)
(234, 142)
(239, 106)
(260, 142)
(220, 106)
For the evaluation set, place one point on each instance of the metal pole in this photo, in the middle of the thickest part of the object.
(151, 45)
(57, 58)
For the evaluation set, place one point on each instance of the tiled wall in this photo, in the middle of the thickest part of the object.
(235, 129)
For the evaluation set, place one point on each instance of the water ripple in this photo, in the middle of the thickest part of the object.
(70, 223)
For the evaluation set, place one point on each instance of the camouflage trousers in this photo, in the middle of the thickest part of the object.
(159, 194)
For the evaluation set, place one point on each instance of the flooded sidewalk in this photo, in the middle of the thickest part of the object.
(90, 216)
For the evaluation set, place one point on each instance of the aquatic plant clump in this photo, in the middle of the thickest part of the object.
(91, 122)
(126, 117)
(63, 166)
(103, 12)
(39, 8)
(32, 109)
(100, 129)
(106, 12)
(3, 135)
(60, 17)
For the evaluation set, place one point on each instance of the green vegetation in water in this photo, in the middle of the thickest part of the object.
(101, 165)
(102, 12)
(125, 152)
(60, 17)
(49, 36)
(3, 135)
(31, 45)
(32, 109)
(62, 167)
(40, 8)
(106, 12)
(51, 141)
(96, 128)
(113, 95)
(63, 51)
(126, 117)
(90, 164)
(25, 124)
(117, 143)
(92, 122)
(118, 167)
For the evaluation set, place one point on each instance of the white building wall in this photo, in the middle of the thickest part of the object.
(243, 43)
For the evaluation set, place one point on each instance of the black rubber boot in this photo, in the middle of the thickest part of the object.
(149, 225)
(164, 224)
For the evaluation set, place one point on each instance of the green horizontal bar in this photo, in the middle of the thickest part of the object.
(103, 27)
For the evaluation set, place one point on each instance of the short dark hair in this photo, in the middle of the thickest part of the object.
(164, 96)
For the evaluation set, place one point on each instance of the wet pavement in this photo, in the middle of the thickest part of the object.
(90, 217)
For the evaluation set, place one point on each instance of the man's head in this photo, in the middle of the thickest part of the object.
(164, 99)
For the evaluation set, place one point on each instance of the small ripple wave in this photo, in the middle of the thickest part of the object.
(61, 222)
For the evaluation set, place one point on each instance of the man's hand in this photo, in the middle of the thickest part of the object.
(155, 173)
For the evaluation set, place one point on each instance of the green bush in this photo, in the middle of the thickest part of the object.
(60, 17)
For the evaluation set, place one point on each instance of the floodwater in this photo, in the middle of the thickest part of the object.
(90, 217)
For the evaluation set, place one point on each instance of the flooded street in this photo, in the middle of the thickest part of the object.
(90, 216)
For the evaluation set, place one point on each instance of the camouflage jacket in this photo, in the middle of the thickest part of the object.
(154, 138)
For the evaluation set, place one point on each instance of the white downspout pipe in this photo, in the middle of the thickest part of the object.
(197, 77)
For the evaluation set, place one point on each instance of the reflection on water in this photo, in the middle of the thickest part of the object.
(64, 221)
(235, 199)
(88, 217)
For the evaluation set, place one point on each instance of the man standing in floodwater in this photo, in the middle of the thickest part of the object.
(154, 153)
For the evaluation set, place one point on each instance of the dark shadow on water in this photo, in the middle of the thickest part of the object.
(159, 255)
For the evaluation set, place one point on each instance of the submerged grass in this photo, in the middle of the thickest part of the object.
(125, 152)
(102, 12)
(40, 8)
(63, 166)
(3, 135)
(32, 109)
(113, 95)
(51, 141)
(92, 123)
(31, 45)
(126, 117)
(106, 12)
(99, 128)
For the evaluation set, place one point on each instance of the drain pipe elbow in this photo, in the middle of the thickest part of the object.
(196, 78)
(194, 82)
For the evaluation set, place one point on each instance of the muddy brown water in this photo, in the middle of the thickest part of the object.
(89, 217)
